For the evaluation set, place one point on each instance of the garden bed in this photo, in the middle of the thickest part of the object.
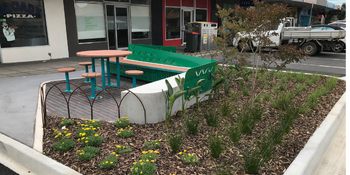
(231, 158)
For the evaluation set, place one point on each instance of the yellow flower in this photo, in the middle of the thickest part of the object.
(83, 134)
(56, 136)
(156, 152)
(180, 153)
(59, 133)
(78, 122)
(98, 127)
(113, 152)
(83, 138)
(134, 163)
(152, 160)
(93, 128)
(111, 162)
(120, 122)
(106, 161)
(78, 139)
(184, 151)
(193, 160)
(140, 161)
(151, 151)
(160, 140)
(96, 135)
(156, 143)
(86, 141)
(147, 160)
(116, 155)
(141, 172)
(118, 146)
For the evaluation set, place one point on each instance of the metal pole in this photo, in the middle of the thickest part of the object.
(312, 7)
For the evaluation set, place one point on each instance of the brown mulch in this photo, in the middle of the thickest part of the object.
(169, 162)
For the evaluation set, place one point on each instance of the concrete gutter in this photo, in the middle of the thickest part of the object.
(311, 156)
(30, 161)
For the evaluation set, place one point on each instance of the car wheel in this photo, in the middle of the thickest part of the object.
(309, 48)
(338, 47)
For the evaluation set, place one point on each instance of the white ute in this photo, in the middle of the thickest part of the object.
(311, 42)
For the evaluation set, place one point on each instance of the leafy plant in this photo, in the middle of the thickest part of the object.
(85, 132)
(94, 140)
(175, 140)
(226, 109)
(252, 161)
(189, 158)
(234, 132)
(331, 83)
(87, 153)
(192, 123)
(279, 75)
(212, 118)
(64, 145)
(109, 162)
(122, 122)
(92, 123)
(289, 76)
(121, 149)
(299, 88)
(282, 87)
(170, 100)
(127, 132)
(257, 99)
(61, 134)
(66, 122)
(282, 101)
(299, 77)
(215, 146)
(256, 112)
(245, 91)
(266, 96)
(143, 167)
(149, 155)
(266, 147)
(233, 96)
(153, 144)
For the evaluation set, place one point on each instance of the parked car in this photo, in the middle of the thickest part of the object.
(340, 23)
(338, 46)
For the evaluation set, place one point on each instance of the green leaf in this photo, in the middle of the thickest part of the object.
(178, 94)
(200, 81)
(170, 88)
(193, 89)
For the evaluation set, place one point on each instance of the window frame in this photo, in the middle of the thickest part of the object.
(150, 22)
(166, 39)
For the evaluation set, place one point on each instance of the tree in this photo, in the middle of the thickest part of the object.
(342, 14)
(254, 25)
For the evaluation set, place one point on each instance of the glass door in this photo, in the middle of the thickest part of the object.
(118, 27)
(187, 16)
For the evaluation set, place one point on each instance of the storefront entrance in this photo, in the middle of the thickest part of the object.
(118, 27)
(187, 16)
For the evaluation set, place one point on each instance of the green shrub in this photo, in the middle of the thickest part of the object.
(279, 75)
(276, 135)
(283, 80)
(87, 153)
(109, 162)
(127, 132)
(266, 96)
(233, 96)
(94, 140)
(189, 158)
(245, 91)
(66, 122)
(289, 76)
(245, 122)
(175, 140)
(282, 87)
(331, 83)
(282, 101)
(149, 155)
(122, 122)
(192, 123)
(299, 77)
(215, 146)
(304, 109)
(266, 147)
(61, 134)
(92, 124)
(121, 149)
(85, 132)
(212, 118)
(64, 145)
(153, 144)
(299, 88)
(226, 109)
(143, 167)
(257, 99)
(234, 133)
(252, 161)
(256, 112)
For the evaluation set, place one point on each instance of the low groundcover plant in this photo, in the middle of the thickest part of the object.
(66, 122)
(87, 153)
(64, 145)
(127, 132)
(94, 140)
(188, 158)
(151, 144)
(143, 167)
(121, 149)
(122, 122)
(149, 155)
(110, 161)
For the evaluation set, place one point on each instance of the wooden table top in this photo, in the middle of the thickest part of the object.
(104, 53)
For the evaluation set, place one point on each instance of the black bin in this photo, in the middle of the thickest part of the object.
(192, 41)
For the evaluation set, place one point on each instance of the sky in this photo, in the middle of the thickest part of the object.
(337, 2)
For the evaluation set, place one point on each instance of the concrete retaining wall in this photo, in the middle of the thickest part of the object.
(153, 100)
(311, 156)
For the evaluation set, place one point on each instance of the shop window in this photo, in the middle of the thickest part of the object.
(90, 22)
(22, 23)
(141, 22)
(172, 23)
(201, 15)
(140, 1)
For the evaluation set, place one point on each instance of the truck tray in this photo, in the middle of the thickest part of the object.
(337, 34)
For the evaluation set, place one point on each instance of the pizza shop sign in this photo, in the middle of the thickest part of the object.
(17, 9)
